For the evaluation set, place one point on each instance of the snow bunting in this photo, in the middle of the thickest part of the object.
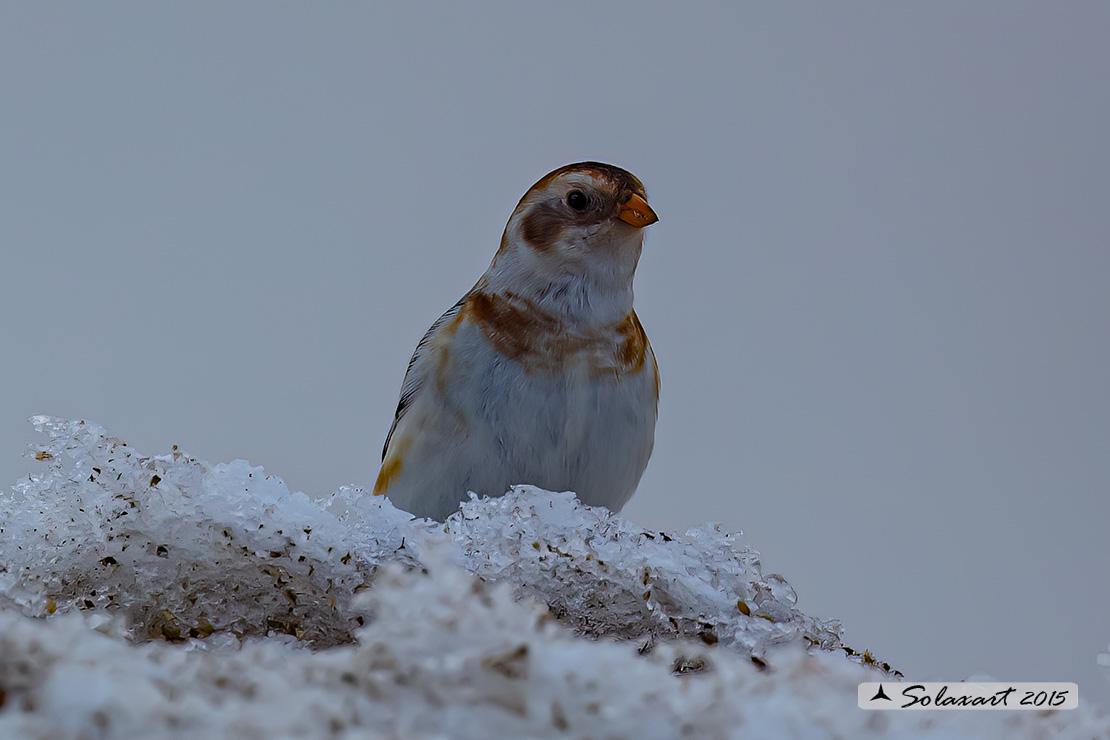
(542, 373)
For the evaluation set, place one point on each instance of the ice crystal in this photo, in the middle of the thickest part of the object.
(165, 597)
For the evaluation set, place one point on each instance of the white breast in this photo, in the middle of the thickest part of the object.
(482, 423)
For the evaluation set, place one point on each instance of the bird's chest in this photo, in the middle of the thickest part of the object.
(572, 393)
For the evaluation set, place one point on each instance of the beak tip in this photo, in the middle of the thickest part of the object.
(637, 212)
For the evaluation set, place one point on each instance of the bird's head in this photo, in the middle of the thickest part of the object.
(584, 221)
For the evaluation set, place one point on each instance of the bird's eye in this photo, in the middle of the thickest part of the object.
(577, 200)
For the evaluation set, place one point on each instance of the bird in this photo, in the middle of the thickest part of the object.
(541, 373)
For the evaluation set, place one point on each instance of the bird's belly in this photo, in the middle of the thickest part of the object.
(573, 430)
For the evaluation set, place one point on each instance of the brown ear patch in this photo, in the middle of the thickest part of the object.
(542, 226)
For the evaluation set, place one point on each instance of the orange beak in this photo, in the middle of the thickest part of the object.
(637, 212)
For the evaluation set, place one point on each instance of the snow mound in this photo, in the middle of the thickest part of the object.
(604, 575)
(164, 597)
(182, 548)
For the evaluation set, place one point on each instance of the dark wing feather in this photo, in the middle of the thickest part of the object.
(413, 380)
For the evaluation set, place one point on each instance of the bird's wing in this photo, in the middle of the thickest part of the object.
(414, 376)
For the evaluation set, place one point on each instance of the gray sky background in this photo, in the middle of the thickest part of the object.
(878, 291)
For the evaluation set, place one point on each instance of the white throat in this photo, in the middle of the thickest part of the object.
(593, 287)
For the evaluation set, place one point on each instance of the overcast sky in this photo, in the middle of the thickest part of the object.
(877, 292)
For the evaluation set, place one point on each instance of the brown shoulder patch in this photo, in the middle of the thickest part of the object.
(544, 344)
(515, 327)
(634, 342)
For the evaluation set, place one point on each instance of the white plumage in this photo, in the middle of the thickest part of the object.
(541, 374)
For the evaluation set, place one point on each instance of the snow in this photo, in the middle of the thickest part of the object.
(166, 597)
